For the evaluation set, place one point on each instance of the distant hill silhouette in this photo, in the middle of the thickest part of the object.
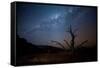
(25, 48)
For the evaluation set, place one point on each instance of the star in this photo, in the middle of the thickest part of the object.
(55, 16)
(70, 10)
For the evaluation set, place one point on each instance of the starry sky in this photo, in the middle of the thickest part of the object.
(41, 23)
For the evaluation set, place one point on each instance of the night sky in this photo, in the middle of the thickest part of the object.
(39, 24)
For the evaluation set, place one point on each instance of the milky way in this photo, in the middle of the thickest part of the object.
(39, 24)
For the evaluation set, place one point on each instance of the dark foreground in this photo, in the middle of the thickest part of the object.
(54, 56)
(29, 54)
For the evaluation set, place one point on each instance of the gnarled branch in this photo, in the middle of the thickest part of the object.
(83, 43)
(67, 43)
(59, 44)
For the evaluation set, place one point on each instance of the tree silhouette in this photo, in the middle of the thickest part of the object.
(71, 44)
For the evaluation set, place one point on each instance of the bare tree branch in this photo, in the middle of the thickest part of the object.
(83, 43)
(72, 42)
(67, 43)
(59, 44)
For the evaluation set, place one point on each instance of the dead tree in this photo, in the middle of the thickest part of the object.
(71, 44)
